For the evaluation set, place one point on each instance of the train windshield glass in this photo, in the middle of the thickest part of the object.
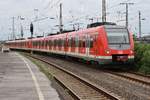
(117, 36)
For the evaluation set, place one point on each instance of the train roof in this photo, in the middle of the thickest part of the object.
(72, 33)
(100, 24)
(114, 26)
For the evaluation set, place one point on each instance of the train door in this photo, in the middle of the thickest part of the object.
(77, 44)
(96, 50)
(87, 45)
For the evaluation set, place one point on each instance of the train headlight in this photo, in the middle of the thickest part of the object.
(131, 51)
(107, 52)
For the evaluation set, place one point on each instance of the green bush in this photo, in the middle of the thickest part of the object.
(142, 58)
(145, 68)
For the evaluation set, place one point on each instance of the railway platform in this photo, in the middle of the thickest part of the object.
(20, 79)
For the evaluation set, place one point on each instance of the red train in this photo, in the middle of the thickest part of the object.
(103, 44)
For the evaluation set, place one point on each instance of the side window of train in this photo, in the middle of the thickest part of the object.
(43, 43)
(84, 41)
(91, 41)
(53, 43)
(77, 41)
(56, 42)
(72, 42)
(80, 42)
(64, 42)
(61, 42)
(69, 42)
(34, 43)
(38, 43)
(87, 41)
(46, 43)
(50, 43)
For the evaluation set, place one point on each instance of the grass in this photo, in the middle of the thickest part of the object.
(42, 66)
(142, 58)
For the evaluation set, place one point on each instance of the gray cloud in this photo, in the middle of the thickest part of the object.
(72, 9)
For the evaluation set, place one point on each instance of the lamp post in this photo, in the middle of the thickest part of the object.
(21, 26)
(140, 24)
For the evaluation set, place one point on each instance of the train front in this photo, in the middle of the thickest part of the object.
(119, 44)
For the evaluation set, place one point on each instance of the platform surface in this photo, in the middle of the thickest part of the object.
(20, 79)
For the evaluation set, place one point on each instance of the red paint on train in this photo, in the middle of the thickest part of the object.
(104, 44)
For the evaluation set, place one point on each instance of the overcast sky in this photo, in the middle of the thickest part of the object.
(74, 11)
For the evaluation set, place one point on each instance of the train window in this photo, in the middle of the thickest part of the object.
(64, 42)
(93, 39)
(33, 43)
(83, 44)
(76, 41)
(59, 42)
(45, 43)
(72, 42)
(69, 42)
(87, 42)
(40, 43)
(36, 43)
(83, 41)
(117, 36)
(49, 43)
(54, 43)
(80, 43)
(91, 42)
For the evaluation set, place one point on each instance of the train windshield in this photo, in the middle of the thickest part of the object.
(117, 36)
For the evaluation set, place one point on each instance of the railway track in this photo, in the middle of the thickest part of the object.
(78, 87)
(133, 77)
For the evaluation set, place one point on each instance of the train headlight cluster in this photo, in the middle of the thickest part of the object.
(107, 52)
(131, 51)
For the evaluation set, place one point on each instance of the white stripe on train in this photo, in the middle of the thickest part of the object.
(75, 54)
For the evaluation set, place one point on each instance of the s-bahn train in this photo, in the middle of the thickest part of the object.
(103, 44)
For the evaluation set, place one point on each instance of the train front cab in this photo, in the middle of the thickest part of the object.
(118, 45)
